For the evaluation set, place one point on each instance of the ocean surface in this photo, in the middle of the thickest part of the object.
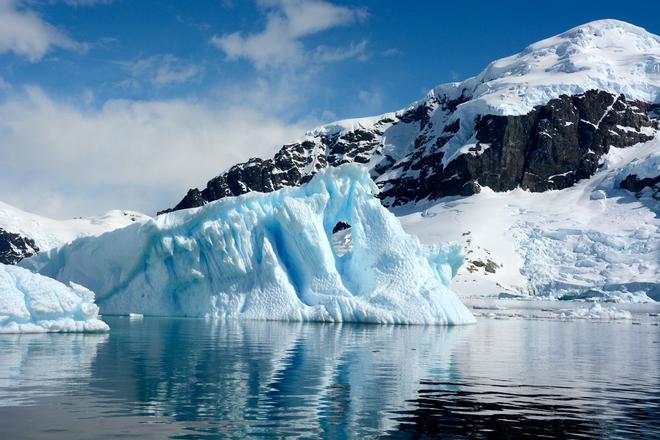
(192, 378)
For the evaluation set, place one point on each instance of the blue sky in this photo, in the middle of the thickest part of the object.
(109, 104)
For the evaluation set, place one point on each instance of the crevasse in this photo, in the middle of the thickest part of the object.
(269, 256)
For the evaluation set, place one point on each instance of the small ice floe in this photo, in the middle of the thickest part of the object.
(32, 303)
(488, 307)
(135, 316)
(596, 311)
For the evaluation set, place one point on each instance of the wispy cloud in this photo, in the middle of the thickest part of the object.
(287, 23)
(162, 69)
(25, 33)
(392, 52)
(128, 154)
(325, 54)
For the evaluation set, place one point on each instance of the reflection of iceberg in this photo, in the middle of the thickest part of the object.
(265, 377)
(35, 366)
(361, 373)
(33, 303)
(269, 256)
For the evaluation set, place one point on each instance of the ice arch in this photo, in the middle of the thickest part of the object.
(269, 256)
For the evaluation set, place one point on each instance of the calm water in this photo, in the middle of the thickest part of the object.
(185, 378)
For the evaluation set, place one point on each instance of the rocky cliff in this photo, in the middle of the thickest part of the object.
(551, 147)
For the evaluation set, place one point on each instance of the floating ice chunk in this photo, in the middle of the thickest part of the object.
(270, 256)
(596, 311)
(33, 303)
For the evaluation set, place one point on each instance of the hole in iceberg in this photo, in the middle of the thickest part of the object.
(342, 242)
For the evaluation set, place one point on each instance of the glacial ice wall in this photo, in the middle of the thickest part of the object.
(269, 256)
(33, 303)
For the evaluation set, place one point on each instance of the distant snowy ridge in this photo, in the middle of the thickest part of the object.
(270, 256)
(32, 303)
(23, 234)
(591, 88)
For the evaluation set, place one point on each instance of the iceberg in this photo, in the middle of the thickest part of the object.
(270, 257)
(33, 303)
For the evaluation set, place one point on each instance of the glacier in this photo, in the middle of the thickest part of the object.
(270, 257)
(33, 303)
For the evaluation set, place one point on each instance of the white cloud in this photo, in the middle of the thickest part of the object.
(324, 54)
(61, 159)
(287, 23)
(163, 69)
(25, 33)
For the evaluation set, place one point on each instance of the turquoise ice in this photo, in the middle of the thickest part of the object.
(270, 257)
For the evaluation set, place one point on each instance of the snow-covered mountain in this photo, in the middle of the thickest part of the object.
(23, 234)
(539, 120)
(544, 166)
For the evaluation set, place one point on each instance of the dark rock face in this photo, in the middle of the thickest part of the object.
(14, 247)
(551, 147)
(636, 185)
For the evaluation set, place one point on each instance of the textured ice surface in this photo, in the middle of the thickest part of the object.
(33, 303)
(270, 256)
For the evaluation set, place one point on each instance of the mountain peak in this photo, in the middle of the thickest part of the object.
(567, 100)
(608, 55)
(609, 34)
(608, 24)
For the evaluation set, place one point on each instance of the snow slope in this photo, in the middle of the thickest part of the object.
(593, 240)
(48, 233)
(32, 303)
(270, 256)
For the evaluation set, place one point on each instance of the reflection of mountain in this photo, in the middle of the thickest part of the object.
(38, 365)
(250, 377)
(538, 380)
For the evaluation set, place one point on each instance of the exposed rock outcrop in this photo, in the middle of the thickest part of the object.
(551, 147)
(14, 247)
